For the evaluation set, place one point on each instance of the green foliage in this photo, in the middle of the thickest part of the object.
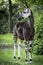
(3, 22)
(39, 38)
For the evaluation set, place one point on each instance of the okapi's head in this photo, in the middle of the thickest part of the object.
(26, 13)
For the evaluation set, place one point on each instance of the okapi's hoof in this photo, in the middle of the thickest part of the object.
(14, 57)
(18, 57)
(30, 61)
(26, 61)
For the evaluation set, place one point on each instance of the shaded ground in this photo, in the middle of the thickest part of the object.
(5, 47)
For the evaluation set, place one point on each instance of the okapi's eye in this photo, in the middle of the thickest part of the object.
(24, 12)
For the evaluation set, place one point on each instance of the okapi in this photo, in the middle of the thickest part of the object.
(24, 31)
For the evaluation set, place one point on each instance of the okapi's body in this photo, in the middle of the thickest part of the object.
(24, 31)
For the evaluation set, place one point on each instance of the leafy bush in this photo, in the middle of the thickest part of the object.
(39, 38)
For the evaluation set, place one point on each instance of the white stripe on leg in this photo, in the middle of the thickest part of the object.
(30, 42)
(30, 53)
(14, 50)
(19, 50)
(26, 51)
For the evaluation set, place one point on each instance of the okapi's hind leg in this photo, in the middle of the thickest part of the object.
(26, 51)
(19, 48)
(15, 41)
(30, 51)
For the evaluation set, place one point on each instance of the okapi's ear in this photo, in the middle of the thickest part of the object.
(20, 18)
(31, 17)
(26, 4)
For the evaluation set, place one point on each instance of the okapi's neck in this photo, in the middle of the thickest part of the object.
(28, 22)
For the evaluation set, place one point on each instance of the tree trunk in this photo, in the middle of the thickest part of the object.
(10, 16)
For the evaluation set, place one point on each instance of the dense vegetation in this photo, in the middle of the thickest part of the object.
(8, 17)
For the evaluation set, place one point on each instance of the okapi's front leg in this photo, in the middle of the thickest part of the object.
(26, 44)
(15, 41)
(30, 51)
(19, 50)
(26, 50)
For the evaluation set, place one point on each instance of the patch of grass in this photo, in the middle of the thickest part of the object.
(6, 39)
(6, 58)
